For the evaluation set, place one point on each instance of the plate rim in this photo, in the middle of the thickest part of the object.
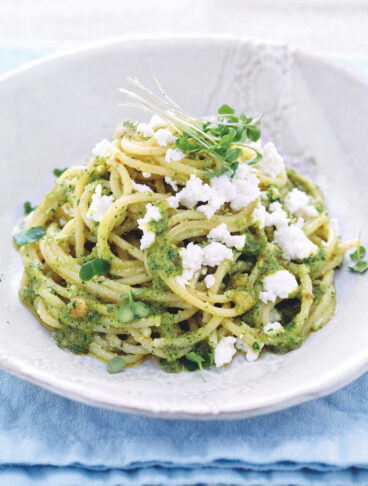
(320, 388)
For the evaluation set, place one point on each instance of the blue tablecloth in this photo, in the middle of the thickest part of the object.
(49, 440)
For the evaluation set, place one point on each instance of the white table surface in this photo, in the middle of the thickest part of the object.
(319, 25)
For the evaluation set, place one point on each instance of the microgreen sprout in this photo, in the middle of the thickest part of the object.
(97, 266)
(132, 310)
(222, 136)
(29, 236)
(361, 265)
(28, 208)
(58, 172)
(198, 359)
(116, 365)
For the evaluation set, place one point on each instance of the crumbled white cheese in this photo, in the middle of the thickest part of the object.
(100, 204)
(194, 191)
(272, 328)
(224, 351)
(192, 261)
(174, 155)
(260, 215)
(280, 284)
(152, 214)
(172, 183)
(209, 281)
(164, 137)
(194, 256)
(298, 203)
(104, 149)
(293, 242)
(157, 122)
(145, 129)
(223, 235)
(141, 187)
(239, 192)
(277, 216)
(271, 164)
(146, 174)
(243, 346)
(215, 253)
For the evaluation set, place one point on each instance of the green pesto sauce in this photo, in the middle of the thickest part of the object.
(75, 340)
(288, 309)
(184, 364)
(254, 243)
(285, 342)
(273, 194)
(316, 261)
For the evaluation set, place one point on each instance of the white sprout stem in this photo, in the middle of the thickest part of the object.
(167, 109)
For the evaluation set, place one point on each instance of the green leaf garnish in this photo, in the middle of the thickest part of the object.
(97, 266)
(221, 136)
(58, 172)
(357, 256)
(29, 236)
(196, 358)
(359, 267)
(116, 365)
(28, 207)
(225, 110)
(132, 310)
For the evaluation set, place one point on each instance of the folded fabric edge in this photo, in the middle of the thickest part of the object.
(157, 476)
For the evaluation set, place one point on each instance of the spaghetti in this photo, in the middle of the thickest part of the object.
(163, 246)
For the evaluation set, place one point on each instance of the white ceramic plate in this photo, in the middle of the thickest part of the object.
(53, 112)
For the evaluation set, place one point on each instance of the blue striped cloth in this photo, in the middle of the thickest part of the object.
(49, 440)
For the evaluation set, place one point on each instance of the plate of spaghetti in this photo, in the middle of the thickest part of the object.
(187, 267)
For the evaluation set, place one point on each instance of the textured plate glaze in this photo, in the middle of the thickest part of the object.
(54, 111)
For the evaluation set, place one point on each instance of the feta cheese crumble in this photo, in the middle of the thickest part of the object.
(223, 235)
(243, 346)
(224, 351)
(171, 183)
(152, 214)
(174, 155)
(164, 137)
(298, 203)
(272, 164)
(141, 187)
(260, 215)
(293, 242)
(157, 122)
(145, 129)
(146, 174)
(280, 284)
(239, 192)
(209, 281)
(104, 149)
(215, 253)
(272, 328)
(99, 205)
(192, 261)
(194, 256)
